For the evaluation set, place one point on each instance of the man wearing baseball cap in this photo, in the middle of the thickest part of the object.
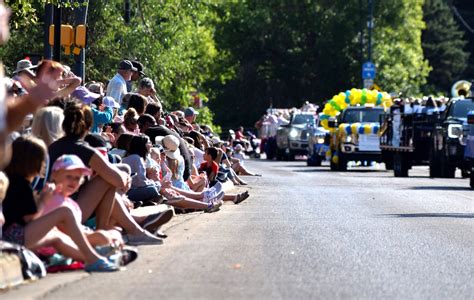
(136, 75)
(117, 87)
(190, 114)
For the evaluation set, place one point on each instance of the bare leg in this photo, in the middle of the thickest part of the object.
(189, 194)
(36, 235)
(241, 170)
(123, 218)
(198, 186)
(97, 195)
(189, 203)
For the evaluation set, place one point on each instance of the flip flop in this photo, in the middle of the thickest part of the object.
(101, 265)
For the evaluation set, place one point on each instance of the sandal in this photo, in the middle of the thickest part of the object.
(124, 256)
(241, 197)
(101, 265)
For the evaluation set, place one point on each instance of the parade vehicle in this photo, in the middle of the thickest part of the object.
(355, 137)
(318, 145)
(292, 138)
(353, 121)
(449, 139)
(405, 138)
(469, 151)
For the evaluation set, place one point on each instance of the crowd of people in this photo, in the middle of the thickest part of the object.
(90, 170)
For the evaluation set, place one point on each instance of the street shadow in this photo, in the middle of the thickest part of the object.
(430, 215)
(440, 188)
(312, 170)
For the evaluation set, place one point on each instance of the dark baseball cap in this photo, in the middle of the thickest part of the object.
(138, 66)
(127, 65)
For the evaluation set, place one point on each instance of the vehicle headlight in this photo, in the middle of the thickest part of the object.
(320, 140)
(454, 131)
(293, 133)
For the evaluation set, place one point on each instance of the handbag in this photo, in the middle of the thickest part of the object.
(32, 267)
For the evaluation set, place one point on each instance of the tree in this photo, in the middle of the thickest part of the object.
(397, 52)
(465, 20)
(443, 45)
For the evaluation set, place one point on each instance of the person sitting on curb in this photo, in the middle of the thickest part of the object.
(211, 168)
(24, 223)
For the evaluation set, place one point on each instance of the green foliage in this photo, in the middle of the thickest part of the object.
(245, 56)
(443, 45)
(398, 52)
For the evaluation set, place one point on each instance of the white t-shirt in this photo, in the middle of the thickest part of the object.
(117, 88)
(198, 157)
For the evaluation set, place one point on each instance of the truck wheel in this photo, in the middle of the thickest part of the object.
(318, 161)
(290, 156)
(342, 163)
(471, 181)
(332, 164)
(388, 164)
(400, 165)
(435, 166)
(313, 161)
(447, 171)
(280, 154)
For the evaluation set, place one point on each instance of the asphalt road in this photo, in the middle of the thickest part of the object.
(308, 233)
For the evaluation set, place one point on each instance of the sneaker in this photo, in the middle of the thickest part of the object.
(143, 238)
(101, 265)
(154, 221)
(213, 207)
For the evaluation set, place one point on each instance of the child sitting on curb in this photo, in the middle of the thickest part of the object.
(25, 226)
(211, 168)
(67, 174)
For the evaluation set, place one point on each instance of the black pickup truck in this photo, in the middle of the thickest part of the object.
(449, 140)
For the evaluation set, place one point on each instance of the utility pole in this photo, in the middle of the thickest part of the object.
(57, 32)
(48, 20)
(81, 18)
(370, 26)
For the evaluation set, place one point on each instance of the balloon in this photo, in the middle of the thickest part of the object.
(375, 129)
(355, 127)
(363, 97)
(347, 99)
(325, 124)
(367, 128)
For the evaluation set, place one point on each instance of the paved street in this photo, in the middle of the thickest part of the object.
(306, 232)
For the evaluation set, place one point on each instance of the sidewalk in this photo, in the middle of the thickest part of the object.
(37, 289)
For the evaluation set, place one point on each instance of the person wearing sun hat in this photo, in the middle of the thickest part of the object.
(100, 117)
(24, 66)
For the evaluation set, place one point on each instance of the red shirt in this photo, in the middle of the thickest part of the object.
(213, 168)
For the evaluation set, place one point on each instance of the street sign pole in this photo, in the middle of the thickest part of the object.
(370, 26)
(57, 33)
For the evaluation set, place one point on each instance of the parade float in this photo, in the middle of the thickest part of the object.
(353, 121)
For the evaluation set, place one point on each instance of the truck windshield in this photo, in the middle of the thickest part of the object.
(461, 108)
(367, 115)
(303, 119)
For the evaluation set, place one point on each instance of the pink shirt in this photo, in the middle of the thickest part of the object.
(58, 201)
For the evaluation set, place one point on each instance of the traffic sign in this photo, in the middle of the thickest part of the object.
(368, 70)
(368, 83)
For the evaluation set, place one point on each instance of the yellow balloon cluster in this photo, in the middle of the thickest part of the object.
(351, 98)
